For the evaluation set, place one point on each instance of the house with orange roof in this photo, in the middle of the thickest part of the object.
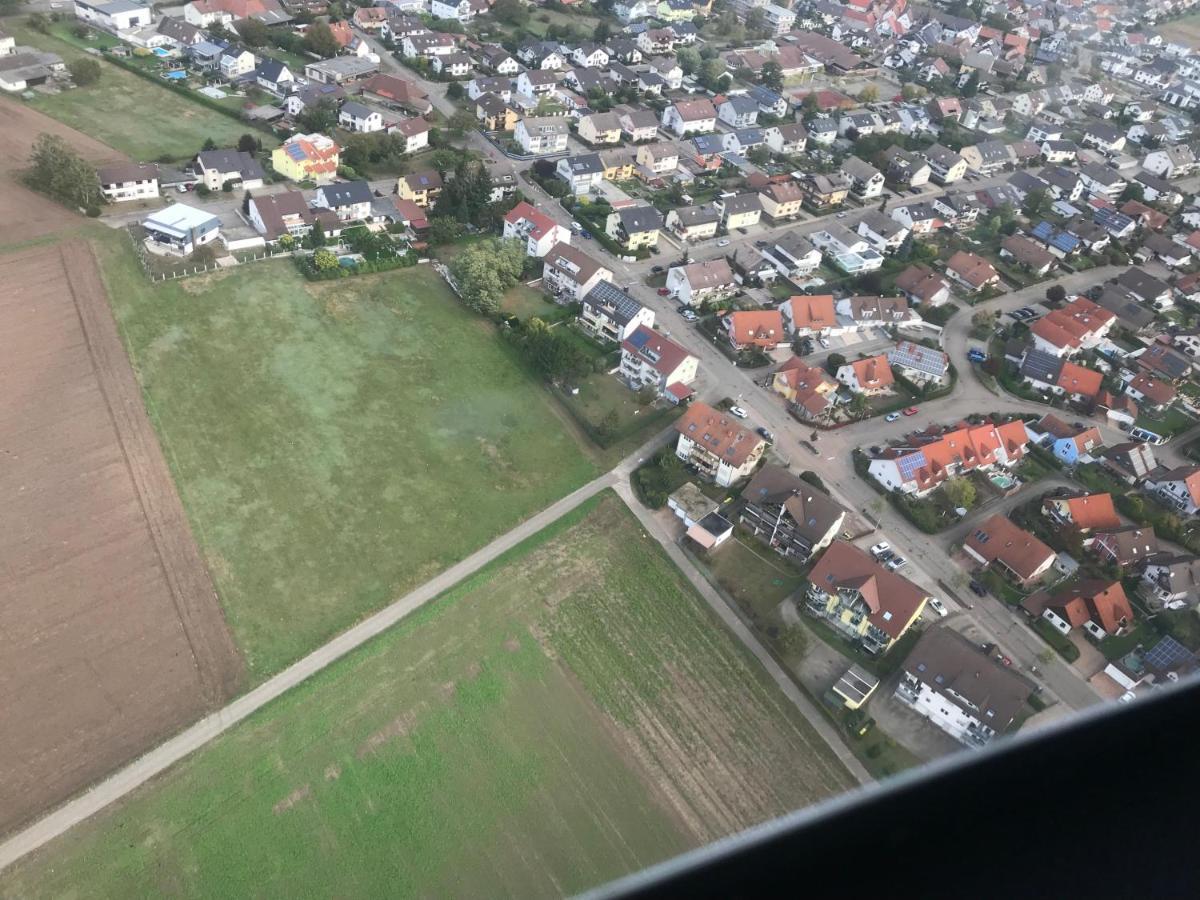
(805, 314)
(1149, 392)
(972, 272)
(757, 328)
(810, 392)
(1178, 488)
(1080, 325)
(1069, 443)
(718, 445)
(924, 461)
(998, 543)
(871, 376)
(538, 231)
(1084, 511)
(307, 157)
(1077, 382)
(850, 591)
(1099, 607)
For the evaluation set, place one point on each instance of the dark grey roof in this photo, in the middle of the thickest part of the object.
(585, 164)
(640, 218)
(1041, 366)
(615, 303)
(346, 193)
(225, 161)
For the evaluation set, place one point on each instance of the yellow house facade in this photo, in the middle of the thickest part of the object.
(600, 128)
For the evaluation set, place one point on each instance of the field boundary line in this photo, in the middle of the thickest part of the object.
(162, 757)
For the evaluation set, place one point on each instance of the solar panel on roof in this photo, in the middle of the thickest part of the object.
(1167, 654)
(295, 152)
(909, 465)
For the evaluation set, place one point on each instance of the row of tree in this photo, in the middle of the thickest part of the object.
(61, 173)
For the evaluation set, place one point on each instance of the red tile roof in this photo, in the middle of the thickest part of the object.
(542, 223)
(1096, 601)
(1075, 379)
(720, 435)
(998, 538)
(873, 373)
(815, 311)
(762, 328)
(893, 600)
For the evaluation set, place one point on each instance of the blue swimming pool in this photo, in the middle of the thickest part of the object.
(161, 51)
(177, 74)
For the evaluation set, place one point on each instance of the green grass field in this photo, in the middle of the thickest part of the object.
(130, 114)
(335, 444)
(571, 713)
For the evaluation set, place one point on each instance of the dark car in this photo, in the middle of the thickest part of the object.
(742, 231)
(654, 270)
(978, 588)
(766, 435)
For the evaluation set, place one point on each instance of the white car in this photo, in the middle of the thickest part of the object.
(575, 226)
(738, 411)
(896, 562)
(824, 342)
(881, 548)
(723, 242)
(891, 417)
(938, 607)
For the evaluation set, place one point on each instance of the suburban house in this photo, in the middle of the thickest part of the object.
(690, 117)
(203, 13)
(738, 210)
(1131, 461)
(761, 329)
(649, 358)
(738, 112)
(1149, 392)
(998, 542)
(921, 285)
(919, 364)
(350, 200)
(355, 116)
(1086, 512)
(236, 63)
(882, 232)
(865, 180)
(945, 166)
(415, 133)
(693, 223)
(1081, 324)
(1178, 488)
(274, 215)
(422, 188)
(789, 515)
(639, 124)
(495, 113)
(659, 158)
(847, 250)
(1172, 581)
(611, 314)
(341, 69)
(570, 273)
(541, 135)
(866, 312)
(861, 599)
(783, 200)
(1046, 372)
(699, 282)
(115, 15)
(634, 227)
(274, 76)
(820, 191)
(398, 93)
(809, 391)
(965, 692)
(1127, 545)
(720, 447)
(600, 128)
(1100, 608)
(539, 232)
(128, 181)
(972, 272)
(808, 314)
(870, 376)
(307, 157)
(788, 139)
(216, 168)
(181, 229)
(1027, 254)
(582, 173)
(793, 255)
(927, 460)
(1069, 443)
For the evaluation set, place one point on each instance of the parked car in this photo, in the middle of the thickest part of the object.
(891, 417)
(978, 588)
(575, 226)
(766, 435)
(910, 411)
(976, 355)
(689, 315)
(654, 270)
(586, 235)
(880, 548)
(723, 242)
(886, 555)
(824, 342)
(738, 411)
(663, 292)
(938, 607)
(896, 562)
(742, 231)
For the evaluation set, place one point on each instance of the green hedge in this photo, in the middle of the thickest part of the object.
(1056, 639)
(366, 267)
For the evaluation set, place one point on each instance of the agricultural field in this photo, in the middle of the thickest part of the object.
(1184, 30)
(336, 444)
(570, 713)
(129, 113)
(111, 637)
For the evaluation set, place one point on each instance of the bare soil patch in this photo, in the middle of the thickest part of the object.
(24, 214)
(111, 635)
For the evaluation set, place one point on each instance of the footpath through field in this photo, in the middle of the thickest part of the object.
(172, 751)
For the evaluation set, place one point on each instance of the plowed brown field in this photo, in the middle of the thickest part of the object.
(111, 636)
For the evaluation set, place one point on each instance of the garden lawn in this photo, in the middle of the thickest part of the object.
(131, 114)
(571, 713)
(335, 444)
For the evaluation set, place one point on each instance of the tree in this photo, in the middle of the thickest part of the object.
(248, 143)
(444, 230)
(833, 362)
(710, 73)
(485, 271)
(771, 76)
(810, 104)
(859, 405)
(1056, 293)
(511, 12)
(209, 144)
(869, 94)
(756, 21)
(321, 117)
(315, 237)
(688, 59)
(910, 92)
(1036, 203)
(319, 39)
(813, 478)
(760, 155)
(607, 429)
(647, 395)
(960, 492)
(38, 22)
(11, 7)
(84, 71)
(1134, 191)
(253, 32)
(602, 33)
(60, 172)
(324, 260)
(454, 91)
(287, 242)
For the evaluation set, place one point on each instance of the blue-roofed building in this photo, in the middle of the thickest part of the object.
(708, 144)
(1161, 665)
(1115, 223)
(744, 140)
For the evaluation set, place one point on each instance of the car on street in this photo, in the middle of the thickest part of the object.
(738, 411)
(586, 235)
(896, 562)
(766, 435)
(575, 226)
(742, 231)
(842, 215)
(886, 555)
(723, 242)
(978, 588)
(760, 244)
(880, 548)
(654, 270)
(891, 417)
(689, 315)
(938, 607)
(824, 342)
(910, 411)
(663, 292)
(976, 355)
